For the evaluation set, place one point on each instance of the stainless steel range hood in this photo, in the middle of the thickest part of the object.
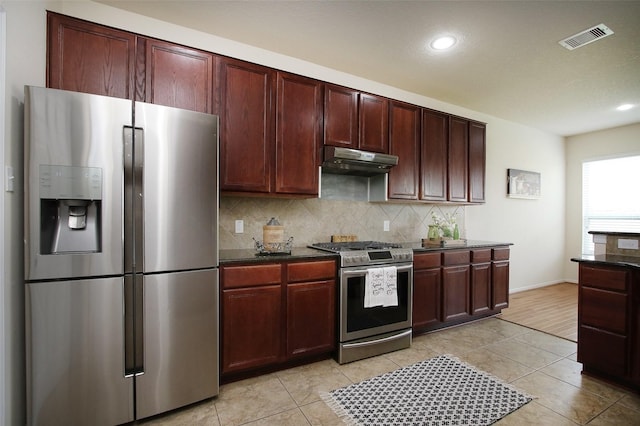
(355, 162)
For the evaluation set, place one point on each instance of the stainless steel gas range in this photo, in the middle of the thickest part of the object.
(375, 288)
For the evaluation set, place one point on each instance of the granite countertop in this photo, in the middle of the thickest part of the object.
(418, 247)
(250, 256)
(610, 259)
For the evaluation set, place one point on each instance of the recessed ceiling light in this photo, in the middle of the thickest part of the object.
(442, 43)
(625, 107)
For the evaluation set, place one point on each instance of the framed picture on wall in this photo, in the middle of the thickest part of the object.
(523, 184)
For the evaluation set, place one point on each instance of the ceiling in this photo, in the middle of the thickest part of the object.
(508, 62)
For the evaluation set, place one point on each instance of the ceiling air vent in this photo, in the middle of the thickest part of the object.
(586, 37)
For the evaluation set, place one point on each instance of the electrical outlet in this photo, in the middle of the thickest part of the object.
(385, 225)
(627, 244)
(239, 226)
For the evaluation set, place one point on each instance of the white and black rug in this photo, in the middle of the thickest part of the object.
(438, 391)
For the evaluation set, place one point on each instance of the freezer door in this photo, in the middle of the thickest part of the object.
(180, 341)
(75, 354)
(180, 188)
(73, 183)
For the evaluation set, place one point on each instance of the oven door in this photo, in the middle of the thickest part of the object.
(356, 321)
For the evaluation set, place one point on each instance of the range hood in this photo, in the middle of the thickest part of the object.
(355, 162)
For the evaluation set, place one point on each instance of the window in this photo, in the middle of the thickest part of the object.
(610, 197)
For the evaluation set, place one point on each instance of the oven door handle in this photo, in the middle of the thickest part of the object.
(377, 341)
(356, 272)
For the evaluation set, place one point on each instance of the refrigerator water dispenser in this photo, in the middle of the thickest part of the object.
(70, 206)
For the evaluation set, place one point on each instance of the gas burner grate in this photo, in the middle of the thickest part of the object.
(355, 245)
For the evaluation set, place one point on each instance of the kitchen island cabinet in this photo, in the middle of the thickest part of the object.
(609, 321)
(453, 286)
(276, 314)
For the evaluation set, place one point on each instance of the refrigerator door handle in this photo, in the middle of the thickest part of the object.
(133, 139)
(133, 326)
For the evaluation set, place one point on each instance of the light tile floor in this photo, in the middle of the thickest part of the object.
(542, 365)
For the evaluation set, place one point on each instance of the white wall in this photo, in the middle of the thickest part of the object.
(618, 142)
(534, 226)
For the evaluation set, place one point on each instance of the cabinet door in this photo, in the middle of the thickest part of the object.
(251, 327)
(311, 321)
(481, 288)
(602, 351)
(89, 58)
(458, 168)
(298, 134)
(426, 298)
(433, 157)
(340, 116)
(404, 141)
(477, 159)
(246, 126)
(373, 123)
(455, 292)
(176, 76)
(500, 284)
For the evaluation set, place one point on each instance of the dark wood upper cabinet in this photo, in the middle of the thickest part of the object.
(340, 116)
(246, 126)
(435, 140)
(177, 76)
(90, 58)
(355, 120)
(373, 114)
(273, 124)
(404, 141)
(458, 162)
(298, 134)
(477, 161)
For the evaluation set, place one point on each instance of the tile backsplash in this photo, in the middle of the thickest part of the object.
(315, 220)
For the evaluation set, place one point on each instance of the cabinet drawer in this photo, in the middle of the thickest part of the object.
(603, 277)
(501, 253)
(427, 260)
(603, 309)
(480, 256)
(310, 271)
(250, 276)
(602, 351)
(456, 258)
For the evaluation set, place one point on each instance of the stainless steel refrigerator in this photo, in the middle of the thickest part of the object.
(121, 258)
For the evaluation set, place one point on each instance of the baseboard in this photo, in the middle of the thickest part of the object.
(532, 287)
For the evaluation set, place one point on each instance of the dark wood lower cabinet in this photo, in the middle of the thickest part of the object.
(609, 322)
(251, 327)
(310, 318)
(481, 301)
(426, 298)
(455, 286)
(455, 292)
(275, 314)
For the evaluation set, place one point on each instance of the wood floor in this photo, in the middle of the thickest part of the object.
(552, 309)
